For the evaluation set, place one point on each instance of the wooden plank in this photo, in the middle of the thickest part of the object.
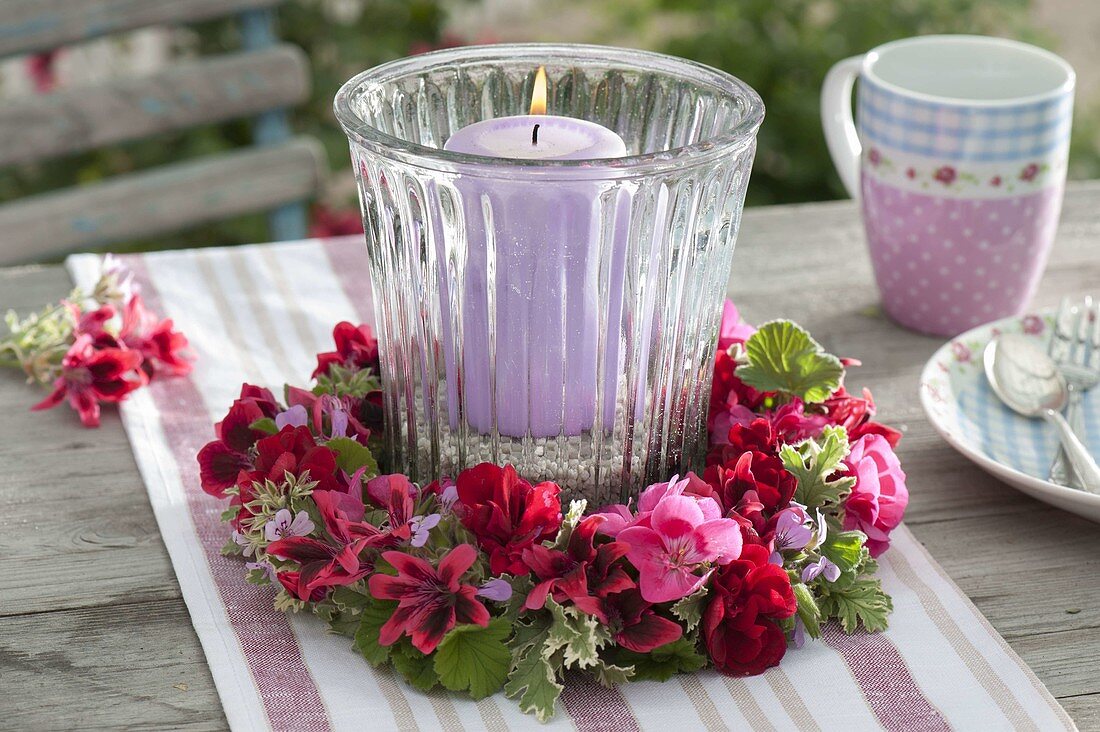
(1024, 564)
(38, 25)
(167, 199)
(133, 666)
(190, 93)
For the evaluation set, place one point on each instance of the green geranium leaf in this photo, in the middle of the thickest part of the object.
(578, 634)
(375, 615)
(534, 680)
(664, 662)
(808, 610)
(845, 549)
(689, 610)
(813, 461)
(350, 456)
(610, 675)
(474, 659)
(266, 425)
(858, 602)
(783, 357)
(348, 599)
(418, 669)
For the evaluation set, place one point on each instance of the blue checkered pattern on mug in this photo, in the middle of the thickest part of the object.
(961, 132)
(1028, 445)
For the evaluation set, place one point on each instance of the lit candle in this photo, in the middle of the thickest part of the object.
(534, 295)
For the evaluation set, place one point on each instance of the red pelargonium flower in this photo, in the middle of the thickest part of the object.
(854, 415)
(91, 375)
(356, 347)
(395, 494)
(506, 513)
(324, 411)
(581, 574)
(739, 624)
(161, 346)
(633, 623)
(222, 460)
(329, 563)
(293, 450)
(755, 470)
(430, 601)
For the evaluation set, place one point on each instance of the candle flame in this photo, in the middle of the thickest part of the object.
(538, 94)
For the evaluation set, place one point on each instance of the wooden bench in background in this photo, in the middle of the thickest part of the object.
(260, 81)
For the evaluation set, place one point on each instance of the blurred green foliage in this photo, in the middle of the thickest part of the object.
(783, 48)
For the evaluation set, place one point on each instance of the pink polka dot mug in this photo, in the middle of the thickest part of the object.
(959, 161)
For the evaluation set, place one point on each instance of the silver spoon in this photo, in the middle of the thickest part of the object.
(1027, 380)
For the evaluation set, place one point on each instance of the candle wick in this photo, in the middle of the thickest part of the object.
(535, 135)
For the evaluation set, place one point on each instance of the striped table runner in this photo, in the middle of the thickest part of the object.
(259, 314)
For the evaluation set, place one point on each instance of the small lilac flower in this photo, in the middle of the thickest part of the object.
(791, 532)
(296, 416)
(799, 638)
(421, 526)
(283, 526)
(268, 570)
(449, 494)
(821, 567)
(339, 423)
(242, 541)
(496, 589)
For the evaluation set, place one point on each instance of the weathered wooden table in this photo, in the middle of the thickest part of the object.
(94, 633)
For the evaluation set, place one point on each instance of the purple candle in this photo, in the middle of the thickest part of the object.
(534, 295)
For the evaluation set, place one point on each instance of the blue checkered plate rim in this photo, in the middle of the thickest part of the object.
(963, 409)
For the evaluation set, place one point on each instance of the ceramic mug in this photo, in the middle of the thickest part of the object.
(959, 161)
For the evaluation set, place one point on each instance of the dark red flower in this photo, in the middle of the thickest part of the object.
(333, 416)
(945, 174)
(854, 415)
(910, 173)
(430, 601)
(158, 343)
(335, 222)
(333, 562)
(506, 513)
(739, 624)
(90, 375)
(222, 460)
(995, 181)
(581, 574)
(291, 581)
(1029, 172)
(293, 450)
(633, 623)
(395, 494)
(755, 471)
(356, 348)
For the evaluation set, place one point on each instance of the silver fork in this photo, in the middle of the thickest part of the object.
(1075, 347)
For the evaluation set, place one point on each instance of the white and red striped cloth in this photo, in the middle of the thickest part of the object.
(260, 314)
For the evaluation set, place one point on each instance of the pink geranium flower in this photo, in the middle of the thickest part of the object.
(430, 601)
(877, 502)
(674, 553)
(90, 375)
(619, 516)
(733, 329)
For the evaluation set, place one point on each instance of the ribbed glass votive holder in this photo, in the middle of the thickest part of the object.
(559, 315)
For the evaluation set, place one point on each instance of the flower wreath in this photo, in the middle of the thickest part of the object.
(482, 583)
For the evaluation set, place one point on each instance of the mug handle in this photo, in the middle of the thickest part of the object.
(838, 124)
